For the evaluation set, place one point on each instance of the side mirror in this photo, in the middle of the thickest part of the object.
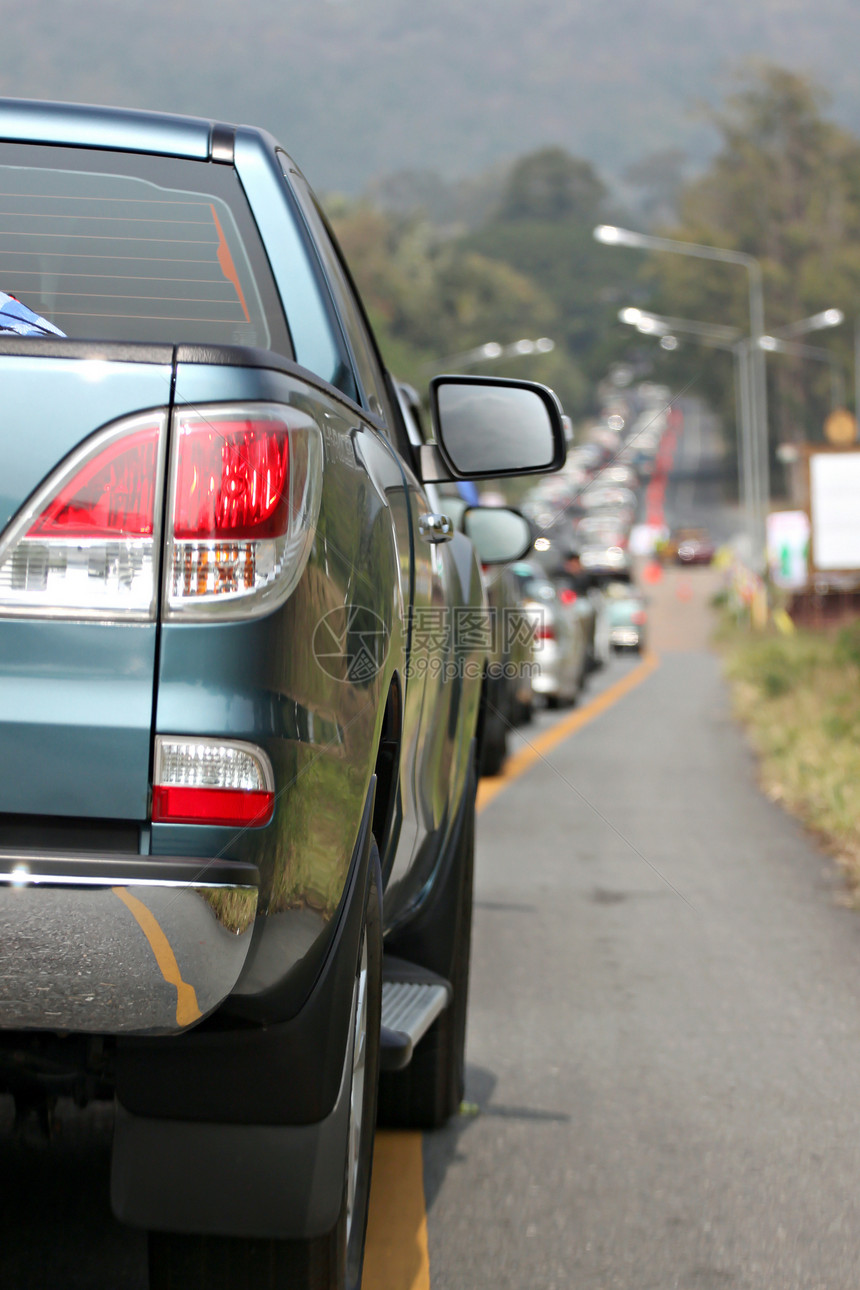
(487, 427)
(498, 534)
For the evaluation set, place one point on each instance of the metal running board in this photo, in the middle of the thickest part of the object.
(412, 999)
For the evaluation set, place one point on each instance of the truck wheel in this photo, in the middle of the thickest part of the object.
(429, 1091)
(494, 745)
(330, 1262)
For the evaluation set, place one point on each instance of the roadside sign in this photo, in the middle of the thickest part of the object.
(788, 548)
(834, 508)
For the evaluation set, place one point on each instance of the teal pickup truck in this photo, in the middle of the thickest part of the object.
(236, 815)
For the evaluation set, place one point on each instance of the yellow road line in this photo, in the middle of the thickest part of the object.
(396, 1256)
(187, 1009)
(537, 748)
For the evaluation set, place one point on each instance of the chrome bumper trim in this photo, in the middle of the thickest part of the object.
(120, 944)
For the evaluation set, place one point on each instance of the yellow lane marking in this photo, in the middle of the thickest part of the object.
(396, 1255)
(538, 748)
(187, 1009)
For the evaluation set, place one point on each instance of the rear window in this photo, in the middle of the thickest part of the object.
(121, 246)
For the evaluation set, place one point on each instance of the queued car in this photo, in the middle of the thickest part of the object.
(507, 696)
(606, 561)
(602, 530)
(560, 650)
(239, 736)
(692, 546)
(628, 617)
(577, 587)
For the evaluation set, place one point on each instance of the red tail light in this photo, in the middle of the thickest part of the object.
(85, 545)
(232, 480)
(544, 632)
(211, 781)
(229, 806)
(244, 504)
(111, 496)
(567, 596)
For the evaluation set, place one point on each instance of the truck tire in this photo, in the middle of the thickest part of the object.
(429, 1091)
(333, 1261)
(494, 744)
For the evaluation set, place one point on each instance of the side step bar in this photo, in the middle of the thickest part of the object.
(412, 999)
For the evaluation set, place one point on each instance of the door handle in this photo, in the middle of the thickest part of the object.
(434, 527)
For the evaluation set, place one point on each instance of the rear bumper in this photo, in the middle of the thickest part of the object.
(547, 673)
(625, 637)
(120, 944)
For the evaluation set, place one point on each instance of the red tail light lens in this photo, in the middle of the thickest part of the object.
(85, 545)
(226, 806)
(567, 596)
(544, 632)
(210, 781)
(233, 480)
(245, 499)
(112, 495)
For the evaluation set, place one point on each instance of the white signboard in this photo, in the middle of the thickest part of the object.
(788, 548)
(644, 538)
(834, 499)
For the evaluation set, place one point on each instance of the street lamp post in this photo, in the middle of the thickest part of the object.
(611, 235)
(721, 337)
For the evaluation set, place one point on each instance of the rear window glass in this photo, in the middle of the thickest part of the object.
(114, 246)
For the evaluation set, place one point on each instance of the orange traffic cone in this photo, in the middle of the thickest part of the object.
(652, 572)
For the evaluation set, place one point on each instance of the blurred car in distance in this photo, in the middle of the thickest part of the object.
(692, 546)
(602, 530)
(506, 697)
(560, 651)
(627, 617)
(606, 562)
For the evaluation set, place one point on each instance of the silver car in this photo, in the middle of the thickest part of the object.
(561, 647)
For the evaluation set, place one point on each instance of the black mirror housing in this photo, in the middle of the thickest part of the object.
(489, 427)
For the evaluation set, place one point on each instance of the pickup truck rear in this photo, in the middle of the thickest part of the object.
(236, 816)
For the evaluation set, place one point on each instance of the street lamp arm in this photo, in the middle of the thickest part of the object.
(611, 235)
(489, 351)
(776, 345)
(715, 332)
(826, 318)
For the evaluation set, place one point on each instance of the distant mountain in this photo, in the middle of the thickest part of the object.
(358, 89)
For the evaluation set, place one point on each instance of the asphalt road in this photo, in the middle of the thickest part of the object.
(664, 1043)
(665, 1024)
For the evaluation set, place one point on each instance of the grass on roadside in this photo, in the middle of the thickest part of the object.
(799, 697)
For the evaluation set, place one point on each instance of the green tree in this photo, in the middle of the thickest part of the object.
(784, 187)
(428, 295)
(551, 185)
(543, 230)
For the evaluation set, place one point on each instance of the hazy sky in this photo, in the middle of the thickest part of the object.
(360, 88)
